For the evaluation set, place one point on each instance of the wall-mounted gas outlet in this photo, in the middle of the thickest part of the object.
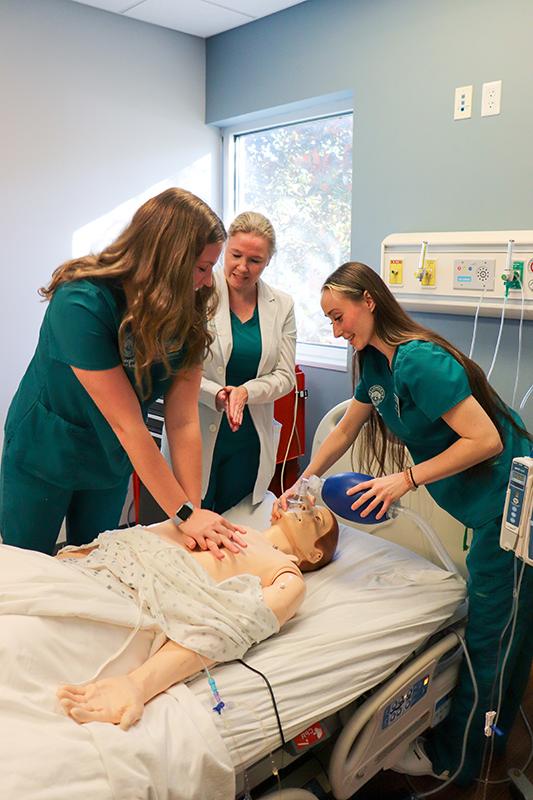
(518, 276)
(491, 98)
(462, 107)
(396, 272)
(429, 278)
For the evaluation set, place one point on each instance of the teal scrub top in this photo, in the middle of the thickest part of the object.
(423, 383)
(54, 429)
(241, 367)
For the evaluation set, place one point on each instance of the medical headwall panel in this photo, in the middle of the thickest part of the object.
(454, 272)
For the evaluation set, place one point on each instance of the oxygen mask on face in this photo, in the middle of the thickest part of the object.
(307, 493)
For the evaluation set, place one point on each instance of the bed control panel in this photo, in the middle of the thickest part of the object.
(406, 700)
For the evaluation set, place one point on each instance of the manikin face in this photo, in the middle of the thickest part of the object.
(302, 529)
(245, 258)
(203, 269)
(351, 319)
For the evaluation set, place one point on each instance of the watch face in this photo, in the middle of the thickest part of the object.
(185, 511)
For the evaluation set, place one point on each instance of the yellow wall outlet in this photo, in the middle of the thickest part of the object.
(396, 272)
(430, 275)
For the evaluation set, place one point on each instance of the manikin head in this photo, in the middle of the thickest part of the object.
(309, 534)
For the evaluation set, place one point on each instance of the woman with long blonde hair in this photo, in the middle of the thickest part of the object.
(417, 392)
(123, 327)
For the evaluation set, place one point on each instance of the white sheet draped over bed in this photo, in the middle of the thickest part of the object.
(49, 615)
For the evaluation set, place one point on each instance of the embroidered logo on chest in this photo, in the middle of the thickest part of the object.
(376, 394)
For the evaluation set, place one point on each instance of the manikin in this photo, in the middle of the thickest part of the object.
(298, 541)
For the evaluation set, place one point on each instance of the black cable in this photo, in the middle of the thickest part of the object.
(257, 672)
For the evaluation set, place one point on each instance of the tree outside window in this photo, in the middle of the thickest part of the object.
(300, 177)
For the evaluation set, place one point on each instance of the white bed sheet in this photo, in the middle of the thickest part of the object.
(363, 615)
(48, 616)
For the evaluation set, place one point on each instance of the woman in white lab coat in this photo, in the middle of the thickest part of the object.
(251, 364)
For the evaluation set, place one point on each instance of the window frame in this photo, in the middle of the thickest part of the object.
(309, 354)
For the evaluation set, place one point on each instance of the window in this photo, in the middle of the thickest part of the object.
(300, 176)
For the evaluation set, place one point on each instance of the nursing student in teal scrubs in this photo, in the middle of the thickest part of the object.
(415, 390)
(251, 364)
(122, 328)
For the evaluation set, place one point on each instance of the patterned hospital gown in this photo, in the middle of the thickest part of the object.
(220, 621)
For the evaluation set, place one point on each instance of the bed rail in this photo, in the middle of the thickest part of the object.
(380, 730)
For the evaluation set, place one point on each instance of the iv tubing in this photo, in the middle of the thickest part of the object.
(489, 373)
(291, 436)
(519, 346)
(526, 397)
(475, 323)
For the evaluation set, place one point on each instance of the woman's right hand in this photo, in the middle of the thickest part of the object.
(280, 504)
(212, 531)
(221, 400)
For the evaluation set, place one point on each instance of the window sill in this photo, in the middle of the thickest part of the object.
(322, 356)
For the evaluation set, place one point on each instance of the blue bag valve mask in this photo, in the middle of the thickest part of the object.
(334, 496)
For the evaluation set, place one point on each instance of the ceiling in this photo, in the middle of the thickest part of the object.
(199, 17)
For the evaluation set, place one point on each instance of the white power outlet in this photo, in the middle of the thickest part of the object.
(462, 107)
(491, 98)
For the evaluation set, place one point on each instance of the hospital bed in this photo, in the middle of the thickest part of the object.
(369, 661)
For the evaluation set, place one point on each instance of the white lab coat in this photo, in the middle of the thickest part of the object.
(275, 376)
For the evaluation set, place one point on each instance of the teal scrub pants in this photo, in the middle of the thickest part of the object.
(32, 510)
(233, 470)
(490, 597)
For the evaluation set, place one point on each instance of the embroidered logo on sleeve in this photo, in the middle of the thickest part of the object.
(376, 394)
(128, 354)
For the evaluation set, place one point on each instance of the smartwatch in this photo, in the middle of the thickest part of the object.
(183, 513)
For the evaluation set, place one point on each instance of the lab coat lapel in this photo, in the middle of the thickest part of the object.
(267, 308)
(222, 318)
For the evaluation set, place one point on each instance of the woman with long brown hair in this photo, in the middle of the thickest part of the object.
(122, 328)
(415, 390)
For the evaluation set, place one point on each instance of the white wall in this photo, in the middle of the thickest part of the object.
(94, 109)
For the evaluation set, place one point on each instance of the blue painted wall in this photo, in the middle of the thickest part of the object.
(415, 169)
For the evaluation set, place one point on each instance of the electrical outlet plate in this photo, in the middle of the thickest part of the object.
(491, 98)
(462, 108)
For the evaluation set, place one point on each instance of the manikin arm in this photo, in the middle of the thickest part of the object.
(121, 700)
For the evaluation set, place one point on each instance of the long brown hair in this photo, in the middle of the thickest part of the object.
(394, 327)
(156, 255)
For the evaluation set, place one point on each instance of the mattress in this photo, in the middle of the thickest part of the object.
(363, 615)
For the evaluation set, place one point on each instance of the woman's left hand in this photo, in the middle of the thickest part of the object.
(385, 491)
(237, 397)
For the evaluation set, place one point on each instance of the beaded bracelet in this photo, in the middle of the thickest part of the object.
(411, 485)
